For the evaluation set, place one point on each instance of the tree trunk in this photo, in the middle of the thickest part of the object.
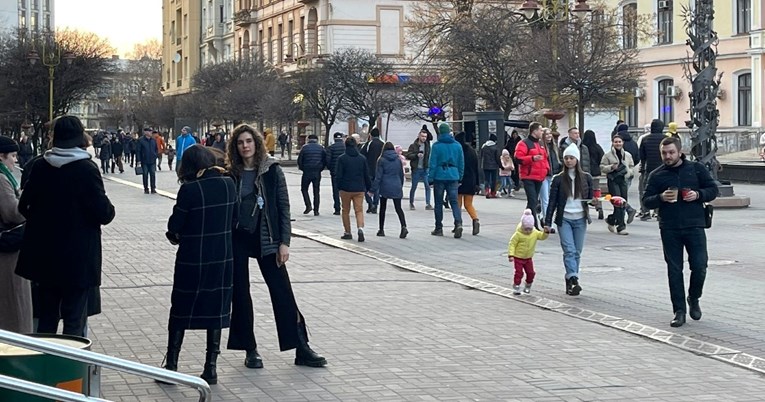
(327, 129)
(580, 110)
(387, 124)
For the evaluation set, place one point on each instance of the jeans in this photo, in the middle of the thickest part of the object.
(450, 187)
(374, 200)
(150, 170)
(313, 179)
(617, 189)
(105, 165)
(419, 175)
(642, 181)
(694, 240)
(572, 233)
(335, 194)
(506, 183)
(490, 177)
(544, 194)
(532, 189)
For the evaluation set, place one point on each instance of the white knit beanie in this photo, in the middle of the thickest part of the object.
(572, 150)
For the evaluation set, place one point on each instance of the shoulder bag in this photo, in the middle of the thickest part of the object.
(11, 239)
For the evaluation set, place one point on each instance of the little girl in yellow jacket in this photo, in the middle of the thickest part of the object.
(520, 251)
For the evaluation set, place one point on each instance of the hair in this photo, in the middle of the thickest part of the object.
(234, 161)
(351, 142)
(578, 180)
(220, 157)
(534, 127)
(671, 141)
(195, 158)
(87, 140)
(572, 129)
(589, 139)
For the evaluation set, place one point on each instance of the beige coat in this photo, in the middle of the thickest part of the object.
(609, 159)
(15, 292)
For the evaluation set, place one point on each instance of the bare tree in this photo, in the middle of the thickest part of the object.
(321, 90)
(366, 81)
(580, 62)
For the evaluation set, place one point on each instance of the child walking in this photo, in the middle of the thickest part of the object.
(520, 251)
(506, 173)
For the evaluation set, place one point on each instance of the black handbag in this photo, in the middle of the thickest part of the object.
(618, 175)
(709, 212)
(138, 170)
(11, 239)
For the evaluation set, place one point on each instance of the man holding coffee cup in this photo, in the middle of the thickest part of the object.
(682, 222)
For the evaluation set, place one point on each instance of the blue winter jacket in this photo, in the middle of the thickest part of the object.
(447, 162)
(182, 143)
(312, 157)
(389, 177)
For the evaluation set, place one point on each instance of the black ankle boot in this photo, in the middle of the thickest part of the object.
(211, 357)
(174, 342)
(304, 355)
(253, 359)
(568, 286)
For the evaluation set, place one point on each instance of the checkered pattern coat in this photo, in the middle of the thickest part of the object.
(202, 284)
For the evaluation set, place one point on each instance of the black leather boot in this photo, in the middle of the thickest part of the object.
(568, 286)
(211, 357)
(253, 359)
(304, 355)
(694, 310)
(174, 342)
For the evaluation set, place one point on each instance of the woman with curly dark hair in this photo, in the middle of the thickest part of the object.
(262, 231)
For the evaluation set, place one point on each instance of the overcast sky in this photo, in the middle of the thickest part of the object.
(124, 23)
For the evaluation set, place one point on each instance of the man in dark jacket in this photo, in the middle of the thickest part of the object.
(372, 151)
(69, 228)
(419, 158)
(311, 161)
(650, 159)
(146, 156)
(679, 188)
(489, 158)
(353, 181)
(333, 154)
(117, 154)
(574, 137)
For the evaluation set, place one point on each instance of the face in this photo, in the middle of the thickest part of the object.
(8, 159)
(548, 136)
(537, 133)
(574, 135)
(618, 143)
(183, 131)
(147, 134)
(423, 137)
(569, 161)
(245, 145)
(527, 230)
(670, 154)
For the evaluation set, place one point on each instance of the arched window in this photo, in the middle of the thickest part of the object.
(666, 100)
(744, 93)
(630, 34)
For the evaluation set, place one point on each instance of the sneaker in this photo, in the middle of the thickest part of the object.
(458, 231)
(411, 207)
(631, 215)
(612, 228)
(516, 290)
(575, 287)
(428, 207)
(146, 191)
(347, 236)
(336, 213)
(315, 213)
(437, 232)
(307, 210)
(527, 288)
(360, 235)
(381, 233)
(622, 230)
(646, 217)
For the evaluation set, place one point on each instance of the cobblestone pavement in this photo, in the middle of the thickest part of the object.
(388, 334)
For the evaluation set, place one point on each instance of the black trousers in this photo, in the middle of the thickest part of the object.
(286, 313)
(57, 303)
(399, 211)
(618, 189)
(532, 188)
(694, 241)
(335, 194)
(313, 179)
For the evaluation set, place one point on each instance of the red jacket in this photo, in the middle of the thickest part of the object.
(529, 168)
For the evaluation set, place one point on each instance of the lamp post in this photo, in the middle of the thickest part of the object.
(50, 59)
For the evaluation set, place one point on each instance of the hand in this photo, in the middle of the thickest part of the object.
(614, 166)
(536, 158)
(669, 196)
(510, 258)
(420, 154)
(691, 196)
(546, 229)
(283, 255)
(371, 194)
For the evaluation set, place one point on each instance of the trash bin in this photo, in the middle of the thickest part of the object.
(44, 369)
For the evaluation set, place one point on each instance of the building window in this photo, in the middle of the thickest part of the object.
(33, 23)
(22, 19)
(46, 22)
(221, 14)
(743, 16)
(630, 34)
(271, 44)
(22, 4)
(46, 5)
(745, 99)
(664, 20)
(631, 113)
(666, 101)
(35, 4)
(280, 43)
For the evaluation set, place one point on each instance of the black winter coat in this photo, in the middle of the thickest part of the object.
(146, 151)
(312, 158)
(631, 146)
(372, 151)
(650, 152)
(334, 151)
(389, 179)
(106, 152)
(69, 228)
(596, 155)
(204, 263)
(490, 157)
(470, 177)
(680, 214)
(352, 174)
(558, 198)
(117, 148)
(275, 225)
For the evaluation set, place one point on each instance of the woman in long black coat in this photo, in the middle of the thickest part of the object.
(470, 179)
(263, 231)
(202, 283)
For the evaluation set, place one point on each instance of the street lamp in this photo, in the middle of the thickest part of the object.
(50, 59)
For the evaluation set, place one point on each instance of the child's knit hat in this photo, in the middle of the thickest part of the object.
(527, 220)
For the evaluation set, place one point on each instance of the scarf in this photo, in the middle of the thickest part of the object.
(7, 172)
(618, 153)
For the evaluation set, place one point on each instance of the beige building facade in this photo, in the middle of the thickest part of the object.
(664, 94)
(181, 39)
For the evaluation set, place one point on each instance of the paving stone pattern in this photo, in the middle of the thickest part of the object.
(388, 334)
